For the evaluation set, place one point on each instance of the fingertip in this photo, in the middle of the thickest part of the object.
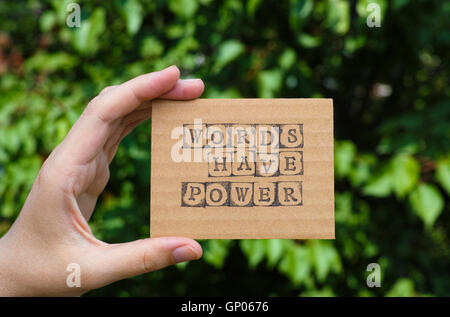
(185, 89)
(185, 253)
(200, 86)
(193, 88)
(198, 249)
(179, 242)
(172, 69)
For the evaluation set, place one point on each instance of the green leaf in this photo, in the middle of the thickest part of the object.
(309, 41)
(228, 51)
(287, 59)
(49, 63)
(175, 31)
(113, 223)
(338, 17)
(133, 15)
(60, 7)
(296, 264)
(252, 6)
(47, 21)
(427, 202)
(300, 10)
(353, 44)
(151, 47)
(183, 8)
(380, 185)
(405, 172)
(254, 250)
(402, 288)
(216, 252)
(344, 154)
(443, 174)
(274, 251)
(361, 171)
(325, 258)
(87, 36)
(269, 82)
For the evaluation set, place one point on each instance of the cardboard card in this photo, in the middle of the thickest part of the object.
(242, 169)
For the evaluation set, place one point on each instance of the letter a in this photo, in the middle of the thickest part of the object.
(374, 18)
(74, 18)
(374, 278)
(74, 278)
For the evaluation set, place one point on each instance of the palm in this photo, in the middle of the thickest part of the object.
(52, 229)
(94, 174)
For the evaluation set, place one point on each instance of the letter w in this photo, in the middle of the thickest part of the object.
(195, 135)
(241, 194)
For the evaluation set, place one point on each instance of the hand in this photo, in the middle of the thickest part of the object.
(52, 229)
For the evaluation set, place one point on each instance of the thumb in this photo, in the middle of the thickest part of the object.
(124, 260)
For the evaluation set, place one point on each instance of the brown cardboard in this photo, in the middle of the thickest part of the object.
(243, 189)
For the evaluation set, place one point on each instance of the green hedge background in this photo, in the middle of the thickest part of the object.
(391, 92)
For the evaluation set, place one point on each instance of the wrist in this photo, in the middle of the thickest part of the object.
(6, 280)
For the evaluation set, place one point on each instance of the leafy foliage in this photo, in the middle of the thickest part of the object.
(390, 87)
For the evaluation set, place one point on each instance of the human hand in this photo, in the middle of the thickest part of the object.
(52, 229)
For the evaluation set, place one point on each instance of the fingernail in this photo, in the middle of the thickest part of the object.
(184, 253)
(173, 66)
(192, 79)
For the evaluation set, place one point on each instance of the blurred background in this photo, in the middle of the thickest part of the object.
(390, 86)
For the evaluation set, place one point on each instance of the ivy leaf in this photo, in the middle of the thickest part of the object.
(216, 252)
(361, 170)
(269, 82)
(151, 47)
(296, 264)
(443, 174)
(354, 43)
(427, 202)
(299, 11)
(274, 251)
(47, 21)
(287, 59)
(183, 8)
(402, 288)
(252, 6)
(228, 51)
(133, 16)
(254, 250)
(344, 154)
(309, 41)
(87, 37)
(60, 7)
(49, 63)
(405, 171)
(325, 259)
(338, 16)
(380, 185)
